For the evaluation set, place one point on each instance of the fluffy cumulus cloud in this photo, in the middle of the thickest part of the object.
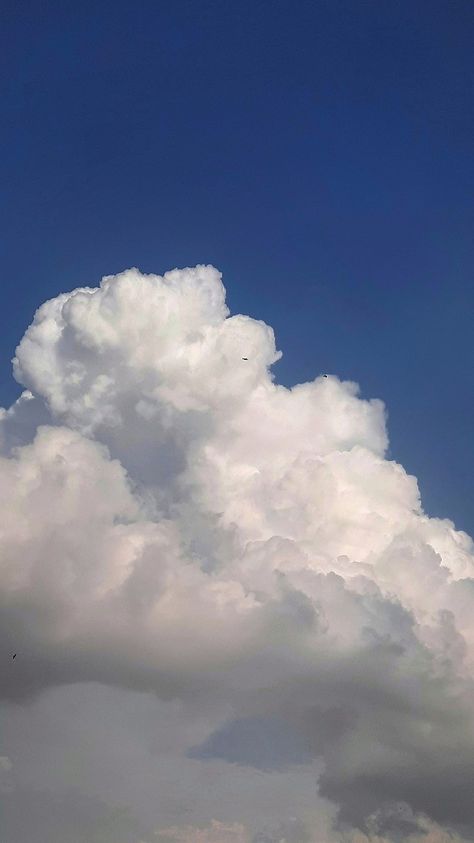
(234, 622)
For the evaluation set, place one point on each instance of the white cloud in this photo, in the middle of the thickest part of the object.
(176, 522)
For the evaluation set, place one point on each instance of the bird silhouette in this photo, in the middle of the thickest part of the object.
(245, 358)
(14, 656)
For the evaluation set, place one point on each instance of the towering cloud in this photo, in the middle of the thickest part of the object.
(176, 524)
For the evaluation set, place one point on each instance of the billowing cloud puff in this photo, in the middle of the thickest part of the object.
(175, 522)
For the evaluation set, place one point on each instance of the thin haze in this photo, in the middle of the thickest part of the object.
(234, 622)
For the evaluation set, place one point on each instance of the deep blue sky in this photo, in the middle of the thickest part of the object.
(320, 153)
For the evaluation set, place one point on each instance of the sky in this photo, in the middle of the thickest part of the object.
(240, 592)
(318, 153)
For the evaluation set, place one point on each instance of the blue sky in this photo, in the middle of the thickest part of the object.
(318, 153)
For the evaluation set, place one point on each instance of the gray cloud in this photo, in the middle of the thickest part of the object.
(45, 817)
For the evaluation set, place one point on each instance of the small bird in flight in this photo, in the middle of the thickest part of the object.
(245, 358)
(14, 656)
(324, 376)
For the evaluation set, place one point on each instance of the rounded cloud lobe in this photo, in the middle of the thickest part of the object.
(176, 522)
